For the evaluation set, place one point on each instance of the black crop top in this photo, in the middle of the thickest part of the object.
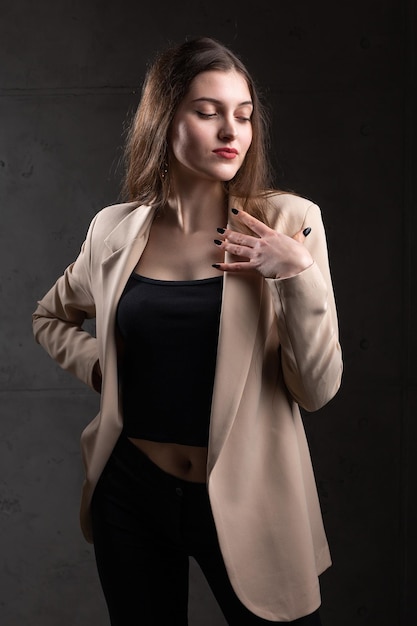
(169, 335)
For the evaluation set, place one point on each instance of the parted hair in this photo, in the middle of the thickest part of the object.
(167, 81)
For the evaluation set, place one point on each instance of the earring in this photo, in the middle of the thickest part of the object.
(164, 170)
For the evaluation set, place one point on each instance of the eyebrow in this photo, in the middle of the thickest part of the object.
(215, 101)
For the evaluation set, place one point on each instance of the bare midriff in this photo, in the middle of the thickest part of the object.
(185, 462)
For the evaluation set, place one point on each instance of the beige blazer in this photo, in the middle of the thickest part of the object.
(278, 349)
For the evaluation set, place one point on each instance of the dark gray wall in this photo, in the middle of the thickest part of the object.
(341, 80)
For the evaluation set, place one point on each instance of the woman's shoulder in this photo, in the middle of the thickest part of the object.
(288, 201)
(288, 210)
(110, 216)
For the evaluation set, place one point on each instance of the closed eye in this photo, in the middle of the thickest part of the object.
(206, 115)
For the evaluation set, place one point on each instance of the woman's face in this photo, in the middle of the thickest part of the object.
(212, 130)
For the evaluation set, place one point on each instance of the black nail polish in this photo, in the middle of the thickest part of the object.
(306, 231)
(220, 230)
(218, 242)
(216, 265)
(235, 211)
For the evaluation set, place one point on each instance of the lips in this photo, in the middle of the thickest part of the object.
(226, 153)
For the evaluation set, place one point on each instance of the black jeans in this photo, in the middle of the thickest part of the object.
(146, 524)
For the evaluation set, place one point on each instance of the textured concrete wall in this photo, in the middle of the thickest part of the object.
(340, 78)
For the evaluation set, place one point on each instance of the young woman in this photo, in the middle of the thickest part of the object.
(215, 321)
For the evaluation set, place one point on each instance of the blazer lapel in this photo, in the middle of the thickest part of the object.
(125, 245)
(242, 296)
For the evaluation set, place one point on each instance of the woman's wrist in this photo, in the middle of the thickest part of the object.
(295, 270)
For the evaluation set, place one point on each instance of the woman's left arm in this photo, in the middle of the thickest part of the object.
(297, 271)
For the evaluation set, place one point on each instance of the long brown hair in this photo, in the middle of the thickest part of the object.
(147, 177)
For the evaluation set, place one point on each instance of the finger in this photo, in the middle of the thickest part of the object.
(238, 250)
(302, 234)
(238, 238)
(258, 227)
(233, 267)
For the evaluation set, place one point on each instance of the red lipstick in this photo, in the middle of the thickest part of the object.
(226, 153)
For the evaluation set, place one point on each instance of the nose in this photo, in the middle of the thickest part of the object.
(228, 129)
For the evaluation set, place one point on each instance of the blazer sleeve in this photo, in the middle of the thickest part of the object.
(307, 324)
(59, 317)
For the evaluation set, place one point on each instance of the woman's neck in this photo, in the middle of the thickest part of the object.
(198, 207)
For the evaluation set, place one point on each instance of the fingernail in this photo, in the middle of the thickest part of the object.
(218, 242)
(235, 211)
(306, 231)
(220, 230)
(216, 265)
